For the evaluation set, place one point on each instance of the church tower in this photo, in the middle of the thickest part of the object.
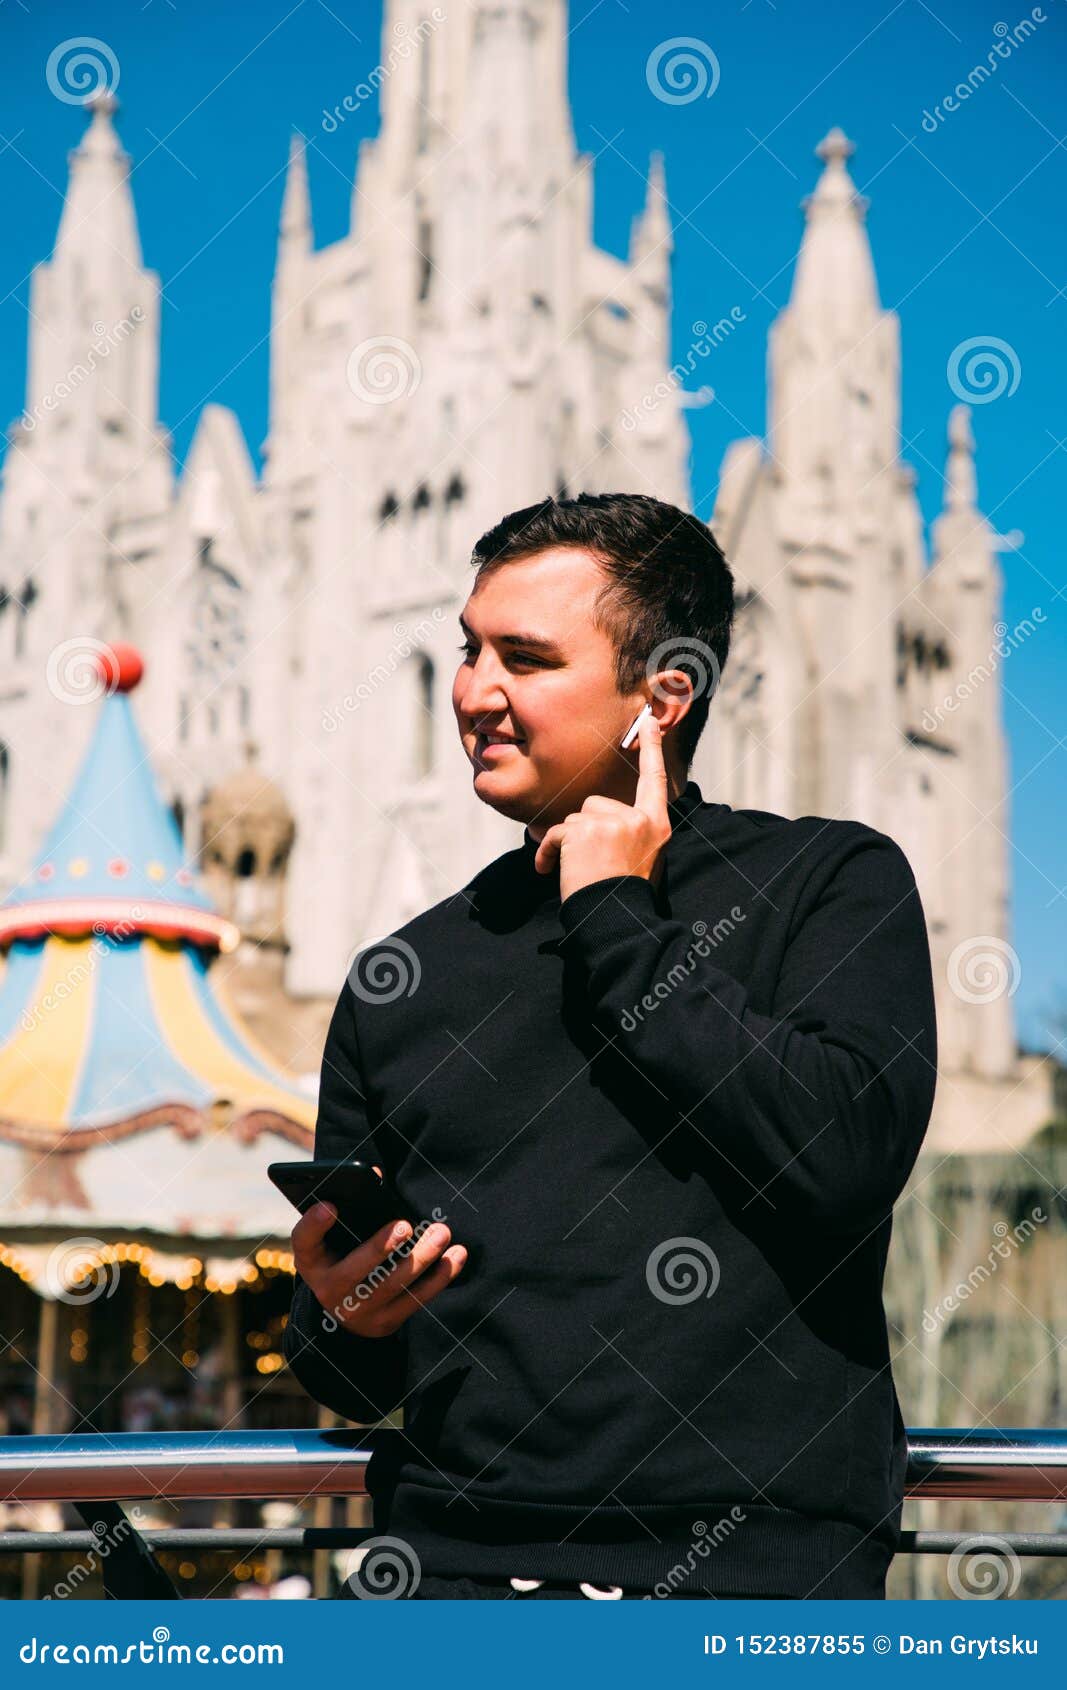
(464, 351)
(846, 690)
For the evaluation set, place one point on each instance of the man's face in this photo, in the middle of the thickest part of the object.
(556, 701)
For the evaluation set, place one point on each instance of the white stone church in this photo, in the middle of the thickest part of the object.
(463, 351)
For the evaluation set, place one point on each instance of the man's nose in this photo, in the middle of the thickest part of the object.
(483, 695)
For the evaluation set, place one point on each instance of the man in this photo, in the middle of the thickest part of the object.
(665, 1070)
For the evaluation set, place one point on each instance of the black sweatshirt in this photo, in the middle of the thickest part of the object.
(669, 1124)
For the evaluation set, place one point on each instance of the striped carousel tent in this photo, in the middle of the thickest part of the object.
(136, 1111)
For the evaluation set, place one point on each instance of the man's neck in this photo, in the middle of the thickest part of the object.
(676, 785)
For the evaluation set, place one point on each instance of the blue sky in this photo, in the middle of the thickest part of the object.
(966, 221)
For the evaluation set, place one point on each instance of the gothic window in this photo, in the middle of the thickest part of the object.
(455, 490)
(388, 508)
(425, 246)
(245, 866)
(902, 656)
(422, 725)
(24, 605)
(5, 783)
(422, 498)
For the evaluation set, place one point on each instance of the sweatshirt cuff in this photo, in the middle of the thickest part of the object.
(623, 906)
(338, 1368)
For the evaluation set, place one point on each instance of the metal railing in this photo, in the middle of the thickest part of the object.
(1020, 1466)
(992, 1465)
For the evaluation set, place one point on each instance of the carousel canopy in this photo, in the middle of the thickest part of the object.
(132, 1098)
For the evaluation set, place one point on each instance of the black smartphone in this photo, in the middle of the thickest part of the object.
(363, 1200)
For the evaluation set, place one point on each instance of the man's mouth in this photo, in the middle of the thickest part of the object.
(484, 741)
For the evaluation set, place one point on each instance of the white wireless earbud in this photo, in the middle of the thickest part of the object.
(631, 732)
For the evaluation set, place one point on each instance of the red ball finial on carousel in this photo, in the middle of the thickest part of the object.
(121, 667)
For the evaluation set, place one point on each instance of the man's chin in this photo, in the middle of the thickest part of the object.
(495, 791)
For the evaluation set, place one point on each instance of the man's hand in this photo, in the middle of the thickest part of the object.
(373, 1307)
(606, 837)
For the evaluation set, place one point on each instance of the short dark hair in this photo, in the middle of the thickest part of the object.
(670, 592)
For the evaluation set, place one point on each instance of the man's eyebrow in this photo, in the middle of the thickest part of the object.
(538, 641)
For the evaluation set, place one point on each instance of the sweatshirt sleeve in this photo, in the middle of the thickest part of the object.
(820, 1106)
(362, 1379)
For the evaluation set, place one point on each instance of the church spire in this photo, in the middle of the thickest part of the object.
(835, 284)
(835, 371)
(964, 543)
(961, 484)
(94, 308)
(294, 228)
(652, 242)
(98, 223)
